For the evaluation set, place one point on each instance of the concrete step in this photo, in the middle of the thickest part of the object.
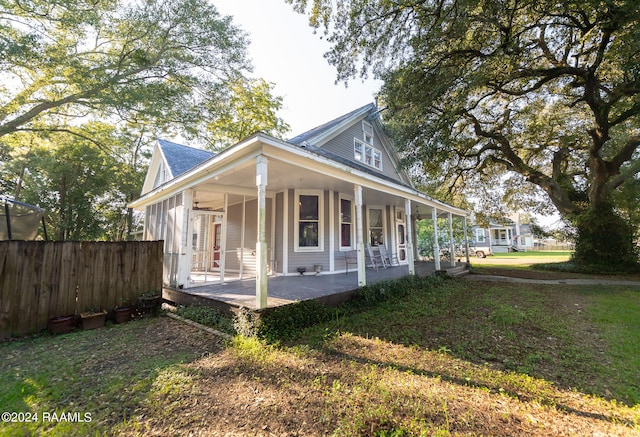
(455, 272)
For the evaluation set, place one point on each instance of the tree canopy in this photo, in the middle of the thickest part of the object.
(483, 92)
(98, 81)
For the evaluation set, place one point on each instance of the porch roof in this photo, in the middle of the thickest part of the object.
(289, 166)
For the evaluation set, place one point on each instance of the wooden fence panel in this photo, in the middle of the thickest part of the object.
(40, 280)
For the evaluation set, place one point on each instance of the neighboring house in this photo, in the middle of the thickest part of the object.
(267, 206)
(507, 235)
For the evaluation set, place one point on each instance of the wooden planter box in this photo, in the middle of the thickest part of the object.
(122, 315)
(91, 320)
(61, 324)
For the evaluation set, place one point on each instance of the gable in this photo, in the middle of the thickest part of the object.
(356, 139)
(170, 160)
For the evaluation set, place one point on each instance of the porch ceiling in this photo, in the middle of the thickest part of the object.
(240, 181)
(234, 172)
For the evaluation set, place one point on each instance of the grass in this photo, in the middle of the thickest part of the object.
(101, 375)
(457, 358)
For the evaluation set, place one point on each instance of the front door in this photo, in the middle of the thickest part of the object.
(401, 236)
(206, 247)
(217, 239)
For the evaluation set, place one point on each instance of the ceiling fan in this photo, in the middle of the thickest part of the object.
(204, 208)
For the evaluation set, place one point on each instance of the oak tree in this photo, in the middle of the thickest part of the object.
(541, 92)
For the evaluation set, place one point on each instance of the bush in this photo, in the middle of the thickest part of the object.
(286, 322)
(207, 316)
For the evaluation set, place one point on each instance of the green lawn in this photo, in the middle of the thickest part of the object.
(454, 358)
(535, 254)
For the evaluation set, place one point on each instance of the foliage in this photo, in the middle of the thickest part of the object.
(605, 242)
(83, 187)
(288, 321)
(109, 78)
(207, 316)
(250, 107)
(534, 96)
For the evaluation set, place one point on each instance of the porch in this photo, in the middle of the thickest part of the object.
(330, 289)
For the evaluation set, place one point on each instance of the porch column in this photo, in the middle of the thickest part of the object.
(466, 238)
(436, 245)
(452, 247)
(261, 243)
(186, 248)
(362, 277)
(409, 237)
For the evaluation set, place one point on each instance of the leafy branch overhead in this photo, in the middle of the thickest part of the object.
(163, 60)
(547, 90)
(100, 81)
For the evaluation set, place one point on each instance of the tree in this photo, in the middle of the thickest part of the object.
(114, 60)
(249, 108)
(535, 92)
(115, 75)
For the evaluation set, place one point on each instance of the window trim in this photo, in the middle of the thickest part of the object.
(367, 130)
(296, 219)
(384, 223)
(365, 149)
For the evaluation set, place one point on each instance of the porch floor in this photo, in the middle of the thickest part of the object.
(283, 290)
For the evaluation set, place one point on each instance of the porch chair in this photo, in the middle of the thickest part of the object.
(375, 260)
(350, 257)
(390, 260)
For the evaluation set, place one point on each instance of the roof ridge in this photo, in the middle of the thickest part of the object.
(298, 139)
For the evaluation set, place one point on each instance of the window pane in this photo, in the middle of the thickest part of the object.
(377, 159)
(308, 207)
(345, 210)
(358, 151)
(376, 237)
(308, 234)
(400, 234)
(345, 231)
(375, 218)
(367, 155)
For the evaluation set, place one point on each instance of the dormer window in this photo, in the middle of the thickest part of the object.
(367, 154)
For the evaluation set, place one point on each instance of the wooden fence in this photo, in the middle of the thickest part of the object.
(40, 280)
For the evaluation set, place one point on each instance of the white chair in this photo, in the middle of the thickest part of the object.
(374, 260)
(389, 260)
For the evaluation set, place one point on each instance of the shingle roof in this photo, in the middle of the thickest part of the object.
(297, 140)
(182, 158)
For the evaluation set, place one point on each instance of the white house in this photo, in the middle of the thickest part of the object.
(504, 235)
(271, 207)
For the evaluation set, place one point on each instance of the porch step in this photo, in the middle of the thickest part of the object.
(456, 272)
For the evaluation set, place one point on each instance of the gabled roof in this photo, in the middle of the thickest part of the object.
(181, 158)
(330, 126)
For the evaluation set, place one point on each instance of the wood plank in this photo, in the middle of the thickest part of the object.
(44, 285)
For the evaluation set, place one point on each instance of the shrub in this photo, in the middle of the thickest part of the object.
(285, 322)
(207, 316)
(605, 243)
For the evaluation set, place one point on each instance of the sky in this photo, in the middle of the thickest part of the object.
(286, 52)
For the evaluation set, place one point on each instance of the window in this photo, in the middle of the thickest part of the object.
(346, 223)
(367, 154)
(376, 227)
(308, 217)
(367, 132)
(480, 235)
(358, 150)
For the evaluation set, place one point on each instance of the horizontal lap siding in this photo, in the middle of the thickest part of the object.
(237, 253)
(342, 145)
(308, 259)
